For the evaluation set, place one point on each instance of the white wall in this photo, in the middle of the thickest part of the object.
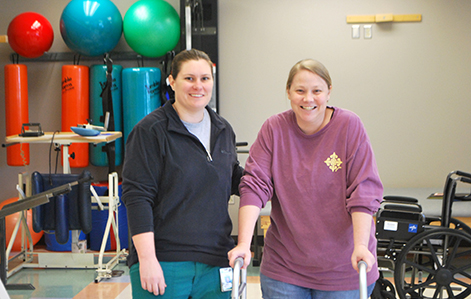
(410, 83)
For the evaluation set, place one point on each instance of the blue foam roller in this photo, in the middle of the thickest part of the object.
(141, 95)
(97, 82)
(62, 222)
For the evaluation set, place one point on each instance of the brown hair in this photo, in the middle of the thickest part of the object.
(185, 56)
(311, 65)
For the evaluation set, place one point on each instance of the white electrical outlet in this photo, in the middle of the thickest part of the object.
(368, 31)
(355, 31)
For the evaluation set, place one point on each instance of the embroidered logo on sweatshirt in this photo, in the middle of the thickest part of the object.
(333, 162)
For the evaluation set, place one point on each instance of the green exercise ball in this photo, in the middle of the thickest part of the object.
(151, 27)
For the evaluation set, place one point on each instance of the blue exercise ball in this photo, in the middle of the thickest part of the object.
(151, 27)
(91, 28)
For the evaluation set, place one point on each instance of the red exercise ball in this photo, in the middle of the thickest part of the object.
(30, 34)
(10, 222)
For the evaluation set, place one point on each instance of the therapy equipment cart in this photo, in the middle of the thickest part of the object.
(78, 258)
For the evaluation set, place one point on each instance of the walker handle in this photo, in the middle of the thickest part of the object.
(239, 280)
(362, 265)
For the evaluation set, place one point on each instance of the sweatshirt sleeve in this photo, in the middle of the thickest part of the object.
(256, 186)
(364, 187)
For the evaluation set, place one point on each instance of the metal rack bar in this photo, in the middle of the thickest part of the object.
(71, 56)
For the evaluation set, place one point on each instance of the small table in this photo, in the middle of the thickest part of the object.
(65, 139)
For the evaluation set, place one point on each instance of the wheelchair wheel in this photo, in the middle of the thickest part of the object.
(435, 264)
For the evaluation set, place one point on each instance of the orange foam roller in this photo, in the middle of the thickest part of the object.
(75, 108)
(16, 111)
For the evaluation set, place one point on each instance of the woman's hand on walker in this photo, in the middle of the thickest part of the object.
(241, 250)
(361, 253)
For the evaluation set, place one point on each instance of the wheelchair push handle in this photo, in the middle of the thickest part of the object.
(239, 280)
(363, 283)
(464, 176)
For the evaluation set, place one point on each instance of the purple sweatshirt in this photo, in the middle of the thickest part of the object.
(314, 182)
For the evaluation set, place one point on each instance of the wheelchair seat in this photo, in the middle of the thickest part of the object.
(399, 219)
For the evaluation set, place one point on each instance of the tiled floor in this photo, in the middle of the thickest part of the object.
(79, 284)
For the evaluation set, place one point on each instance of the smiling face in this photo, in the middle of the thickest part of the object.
(193, 88)
(309, 93)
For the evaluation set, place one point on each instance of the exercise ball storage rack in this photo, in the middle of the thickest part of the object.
(72, 56)
(80, 259)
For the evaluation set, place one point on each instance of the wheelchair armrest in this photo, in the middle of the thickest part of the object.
(405, 199)
(403, 207)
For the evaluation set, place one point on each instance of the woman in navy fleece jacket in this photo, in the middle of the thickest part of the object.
(180, 169)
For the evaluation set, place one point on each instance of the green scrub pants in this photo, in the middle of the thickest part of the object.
(184, 280)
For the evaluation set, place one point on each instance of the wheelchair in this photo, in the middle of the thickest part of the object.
(430, 257)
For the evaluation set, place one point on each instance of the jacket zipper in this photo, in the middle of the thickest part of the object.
(210, 159)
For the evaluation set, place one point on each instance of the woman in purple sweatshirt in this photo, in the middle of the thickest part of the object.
(316, 165)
